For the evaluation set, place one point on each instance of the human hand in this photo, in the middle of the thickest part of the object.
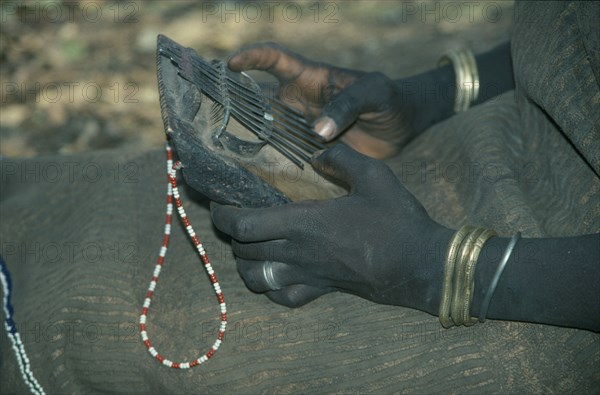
(376, 242)
(365, 109)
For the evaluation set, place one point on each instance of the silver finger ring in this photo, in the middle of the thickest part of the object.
(268, 275)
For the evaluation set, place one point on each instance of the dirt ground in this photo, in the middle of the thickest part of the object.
(79, 76)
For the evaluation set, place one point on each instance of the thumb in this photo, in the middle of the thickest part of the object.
(363, 96)
(354, 169)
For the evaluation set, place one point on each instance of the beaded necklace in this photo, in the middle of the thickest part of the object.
(13, 334)
(173, 193)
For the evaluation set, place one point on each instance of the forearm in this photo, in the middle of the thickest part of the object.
(552, 281)
(432, 94)
(546, 280)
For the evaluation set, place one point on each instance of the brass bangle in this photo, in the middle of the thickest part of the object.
(449, 263)
(467, 76)
(456, 306)
(459, 275)
(469, 284)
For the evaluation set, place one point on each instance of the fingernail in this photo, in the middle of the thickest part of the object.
(326, 127)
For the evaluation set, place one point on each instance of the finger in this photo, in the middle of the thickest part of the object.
(365, 95)
(255, 224)
(262, 276)
(357, 171)
(297, 295)
(272, 57)
(274, 250)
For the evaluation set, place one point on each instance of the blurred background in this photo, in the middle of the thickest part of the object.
(80, 75)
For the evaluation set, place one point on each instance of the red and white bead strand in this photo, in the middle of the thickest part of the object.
(173, 193)
(13, 334)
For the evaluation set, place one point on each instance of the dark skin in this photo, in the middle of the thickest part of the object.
(378, 242)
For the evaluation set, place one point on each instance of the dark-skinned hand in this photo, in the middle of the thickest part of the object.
(365, 109)
(369, 243)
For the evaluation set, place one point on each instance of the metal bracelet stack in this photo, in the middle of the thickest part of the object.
(467, 76)
(459, 275)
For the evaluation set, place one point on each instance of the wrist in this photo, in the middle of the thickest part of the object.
(426, 95)
(431, 267)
